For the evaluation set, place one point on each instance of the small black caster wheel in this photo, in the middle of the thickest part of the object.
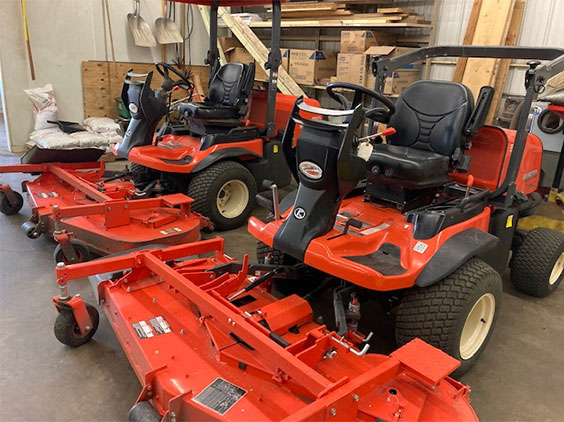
(30, 229)
(6, 207)
(67, 331)
(81, 251)
(143, 412)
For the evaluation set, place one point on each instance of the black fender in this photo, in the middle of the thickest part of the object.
(453, 253)
(222, 154)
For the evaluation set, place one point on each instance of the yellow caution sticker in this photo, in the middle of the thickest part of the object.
(509, 222)
(275, 149)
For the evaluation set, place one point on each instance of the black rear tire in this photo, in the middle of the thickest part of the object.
(276, 257)
(537, 265)
(7, 208)
(207, 186)
(438, 314)
(67, 331)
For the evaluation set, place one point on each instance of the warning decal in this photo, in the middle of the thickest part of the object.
(220, 396)
(143, 329)
(160, 325)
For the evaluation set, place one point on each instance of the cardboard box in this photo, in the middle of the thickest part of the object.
(358, 41)
(397, 81)
(309, 66)
(356, 69)
(352, 68)
(241, 55)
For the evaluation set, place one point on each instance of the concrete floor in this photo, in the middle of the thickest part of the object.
(520, 376)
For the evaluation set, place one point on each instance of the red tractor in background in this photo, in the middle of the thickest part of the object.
(432, 230)
(229, 145)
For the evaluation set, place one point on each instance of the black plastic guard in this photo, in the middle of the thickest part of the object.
(453, 253)
(38, 155)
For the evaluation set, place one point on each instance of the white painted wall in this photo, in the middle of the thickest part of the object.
(64, 33)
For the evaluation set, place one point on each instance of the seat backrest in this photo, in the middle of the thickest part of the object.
(232, 84)
(431, 115)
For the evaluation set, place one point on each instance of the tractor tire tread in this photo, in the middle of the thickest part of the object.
(534, 259)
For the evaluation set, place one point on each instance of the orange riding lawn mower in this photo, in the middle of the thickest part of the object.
(424, 223)
(219, 155)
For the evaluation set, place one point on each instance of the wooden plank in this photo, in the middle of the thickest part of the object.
(491, 29)
(504, 64)
(257, 49)
(103, 81)
(395, 10)
(364, 23)
(468, 37)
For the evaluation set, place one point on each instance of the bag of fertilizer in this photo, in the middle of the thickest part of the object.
(44, 106)
(101, 124)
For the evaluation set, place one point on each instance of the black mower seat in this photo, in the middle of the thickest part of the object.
(207, 111)
(228, 96)
(430, 118)
(414, 166)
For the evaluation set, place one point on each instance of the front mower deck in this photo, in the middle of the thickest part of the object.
(72, 202)
(200, 356)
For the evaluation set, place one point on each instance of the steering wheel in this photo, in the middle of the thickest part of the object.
(379, 114)
(183, 82)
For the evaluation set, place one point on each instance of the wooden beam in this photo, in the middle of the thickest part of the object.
(205, 13)
(503, 68)
(468, 37)
(364, 23)
(491, 29)
(257, 49)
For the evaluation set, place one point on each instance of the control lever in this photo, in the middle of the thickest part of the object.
(469, 184)
(386, 132)
(269, 184)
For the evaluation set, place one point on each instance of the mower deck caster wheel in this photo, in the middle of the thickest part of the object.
(143, 412)
(81, 251)
(7, 208)
(67, 331)
(537, 264)
(30, 229)
(456, 314)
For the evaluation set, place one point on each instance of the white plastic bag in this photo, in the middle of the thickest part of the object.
(101, 124)
(57, 140)
(90, 140)
(44, 106)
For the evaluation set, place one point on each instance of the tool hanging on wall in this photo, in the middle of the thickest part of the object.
(167, 30)
(28, 44)
(140, 30)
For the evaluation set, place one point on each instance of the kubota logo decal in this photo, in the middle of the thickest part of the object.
(311, 170)
(299, 213)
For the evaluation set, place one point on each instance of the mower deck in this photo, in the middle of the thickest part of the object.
(71, 201)
(200, 356)
(381, 255)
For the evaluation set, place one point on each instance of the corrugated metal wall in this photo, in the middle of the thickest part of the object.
(540, 27)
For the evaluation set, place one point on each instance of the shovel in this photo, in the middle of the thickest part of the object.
(167, 31)
(140, 30)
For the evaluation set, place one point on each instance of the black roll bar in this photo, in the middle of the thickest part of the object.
(272, 64)
(535, 80)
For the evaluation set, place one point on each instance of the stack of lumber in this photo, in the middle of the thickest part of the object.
(490, 23)
(324, 12)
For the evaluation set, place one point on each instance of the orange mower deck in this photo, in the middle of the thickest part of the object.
(200, 356)
(72, 202)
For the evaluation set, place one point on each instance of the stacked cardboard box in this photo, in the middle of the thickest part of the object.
(353, 65)
(310, 67)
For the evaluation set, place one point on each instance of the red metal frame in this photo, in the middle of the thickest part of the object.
(315, 377)
(71, 201)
